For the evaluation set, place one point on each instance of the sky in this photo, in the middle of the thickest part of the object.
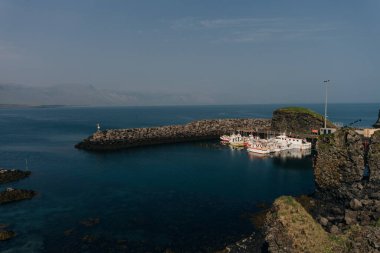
(225, 51)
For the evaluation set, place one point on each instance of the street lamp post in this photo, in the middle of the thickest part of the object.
(326, 82)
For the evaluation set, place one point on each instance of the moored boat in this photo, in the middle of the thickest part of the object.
(259, 147)
(292, 143)
(225, 138)
(237, 141)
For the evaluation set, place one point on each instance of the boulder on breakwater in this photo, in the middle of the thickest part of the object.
(198, 130)
(7, 175)
(297, 120)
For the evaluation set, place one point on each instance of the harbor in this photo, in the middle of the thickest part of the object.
(255, 144)
(199, 190)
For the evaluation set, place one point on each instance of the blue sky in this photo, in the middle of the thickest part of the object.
(227, 51)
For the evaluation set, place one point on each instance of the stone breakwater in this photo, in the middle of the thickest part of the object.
(198, 130)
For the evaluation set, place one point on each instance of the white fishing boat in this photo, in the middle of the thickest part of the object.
(236, 140)
(250, 139)
(259, 147)
(225, 138)
(275, 147)
(292, 143)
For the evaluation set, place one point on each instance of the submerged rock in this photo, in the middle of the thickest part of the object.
(12, 195)
(90, 222)
(6, 235)
(7, 176)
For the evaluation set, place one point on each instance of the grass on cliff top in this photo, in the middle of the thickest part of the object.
(296, 109)
(307, 235)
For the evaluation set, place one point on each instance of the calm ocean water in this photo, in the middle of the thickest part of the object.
(187, 197)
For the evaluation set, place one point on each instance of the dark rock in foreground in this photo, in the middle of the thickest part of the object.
(289, 228)
(6, 235)
(12, 195)
(251, 244)
(7, 176)
(194, 131)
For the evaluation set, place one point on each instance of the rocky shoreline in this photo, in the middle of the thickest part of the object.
(10, 195)
(195, 131)
(343, 215)
(7, 176)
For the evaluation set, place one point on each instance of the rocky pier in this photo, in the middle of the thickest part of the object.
(114, 139)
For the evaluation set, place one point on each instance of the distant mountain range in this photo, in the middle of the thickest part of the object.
(89, 95)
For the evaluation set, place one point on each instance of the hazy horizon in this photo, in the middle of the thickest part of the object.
(188, 52)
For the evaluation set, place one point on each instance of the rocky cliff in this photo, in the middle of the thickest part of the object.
(346, 203)
(339, 168)
(289, 228)
(198, 130)
(344, 213)
(347, 186)
(374, 158)
(297, 120)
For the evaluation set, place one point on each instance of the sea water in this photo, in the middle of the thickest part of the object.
(189, 197)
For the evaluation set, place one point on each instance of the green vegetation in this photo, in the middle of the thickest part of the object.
(377, 224)
(290, 200)
(296, 109)
(305, 233)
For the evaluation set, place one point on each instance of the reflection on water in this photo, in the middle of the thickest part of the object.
(293, 153)
(285, 154)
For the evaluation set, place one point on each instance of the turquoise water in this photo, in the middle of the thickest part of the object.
(191, 197)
